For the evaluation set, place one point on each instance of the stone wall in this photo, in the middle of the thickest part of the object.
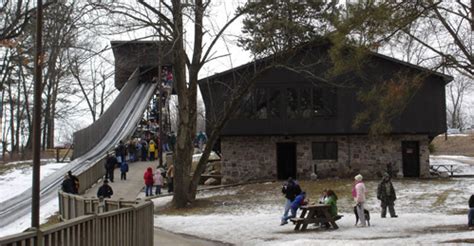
(254, 157)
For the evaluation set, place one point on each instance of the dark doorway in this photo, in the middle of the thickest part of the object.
(286, 160)
(411, 159)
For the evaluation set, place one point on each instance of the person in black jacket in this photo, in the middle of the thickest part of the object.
(470, 215)
(105, 191)
(110, 164)
(290, 189)
(68, 185)
(75, 181)
(386, 195)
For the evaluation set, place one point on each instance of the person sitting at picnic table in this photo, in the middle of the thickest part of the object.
(297, 203)
(331, 200)
(324, 197)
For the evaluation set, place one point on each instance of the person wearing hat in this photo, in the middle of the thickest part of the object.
(105, 191)
(358, 193)
(386, 195)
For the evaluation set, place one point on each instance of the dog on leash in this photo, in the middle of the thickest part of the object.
(366, 213)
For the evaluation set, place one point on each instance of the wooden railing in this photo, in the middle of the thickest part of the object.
(91, 222)
(90, 176)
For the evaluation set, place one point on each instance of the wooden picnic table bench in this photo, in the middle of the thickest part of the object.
(318, 213)
(448, 167)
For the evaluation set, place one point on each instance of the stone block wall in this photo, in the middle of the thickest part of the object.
(254, 157)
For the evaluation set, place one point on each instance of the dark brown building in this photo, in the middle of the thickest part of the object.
(296, 123)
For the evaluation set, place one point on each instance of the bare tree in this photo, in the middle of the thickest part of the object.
(14, 17)
(456, 92)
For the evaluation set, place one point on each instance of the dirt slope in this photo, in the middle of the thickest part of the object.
(454, 145)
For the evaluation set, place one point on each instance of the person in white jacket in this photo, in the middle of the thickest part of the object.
(158, 181)
(358, 193)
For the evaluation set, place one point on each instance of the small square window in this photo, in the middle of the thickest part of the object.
(324, 150)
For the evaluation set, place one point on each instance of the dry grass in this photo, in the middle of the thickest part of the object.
(233, 199)
(454, 145)
(51, 220)
(5, 168)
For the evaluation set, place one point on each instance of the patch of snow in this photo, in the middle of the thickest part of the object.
(17, 180)
(23, 223)
(461, 164)
(423, 219)
(261, 227)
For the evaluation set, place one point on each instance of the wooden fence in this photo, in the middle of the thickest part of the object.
(90, 222)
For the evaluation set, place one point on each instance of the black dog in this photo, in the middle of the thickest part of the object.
(366, 213)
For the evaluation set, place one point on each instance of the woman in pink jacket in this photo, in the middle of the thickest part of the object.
(158, 178)
(358, 193)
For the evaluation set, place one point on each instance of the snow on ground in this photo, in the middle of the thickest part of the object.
(24, 222)
(461, 164)
(16, 180)
(426, 217)
(260, 227)
(430, 212)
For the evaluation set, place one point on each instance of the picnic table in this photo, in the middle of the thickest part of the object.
(316, 213)
(448, 167)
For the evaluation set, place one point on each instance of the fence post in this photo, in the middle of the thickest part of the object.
(57, 154)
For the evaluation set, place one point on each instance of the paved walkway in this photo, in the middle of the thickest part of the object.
(133, 188)
(129, 189)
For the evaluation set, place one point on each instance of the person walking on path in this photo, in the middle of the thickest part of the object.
(386, 195)
(358, 193)
(123, 170)
(105, 191)
(158, 179)
(170, 176)
(151, 150)
(470, 215)
(75, 181)
(120, 152)
(290, 189)
(144, 149)
(110, 164)
(148, 177)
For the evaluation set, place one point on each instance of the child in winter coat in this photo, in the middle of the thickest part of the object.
(358, 193)
(123, 170)
(158, 178)
(148, 177)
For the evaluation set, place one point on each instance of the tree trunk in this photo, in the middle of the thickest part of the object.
(184, 148)
(12, 118)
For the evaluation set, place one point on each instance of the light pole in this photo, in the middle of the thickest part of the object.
(35, 191)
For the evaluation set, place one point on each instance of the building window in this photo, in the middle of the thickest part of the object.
(274, 103)
(303, 102)
(324, 150)
(324, 101)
